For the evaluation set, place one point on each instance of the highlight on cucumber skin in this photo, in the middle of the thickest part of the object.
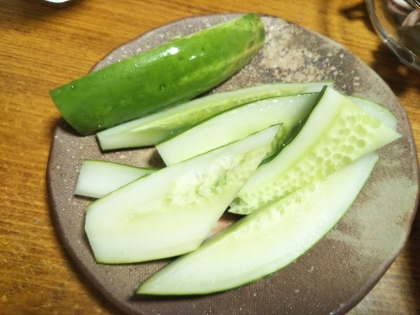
(159, 78)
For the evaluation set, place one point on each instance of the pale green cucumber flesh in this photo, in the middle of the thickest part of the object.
(98, 178)
(336, 133)
(171, 211)
(157, 127)
(291, 130)
(238, 123)
(265, 241)
(376, 110)
(161, 77)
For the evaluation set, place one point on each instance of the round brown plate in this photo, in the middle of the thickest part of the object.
(338, 271)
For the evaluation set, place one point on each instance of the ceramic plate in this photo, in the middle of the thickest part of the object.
(338, 271)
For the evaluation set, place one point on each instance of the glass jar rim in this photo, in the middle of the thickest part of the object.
(414, 3)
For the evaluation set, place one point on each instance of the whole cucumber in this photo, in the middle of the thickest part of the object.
(161, 77)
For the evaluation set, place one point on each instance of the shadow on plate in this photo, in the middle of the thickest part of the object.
(397, 75)
(358, 12)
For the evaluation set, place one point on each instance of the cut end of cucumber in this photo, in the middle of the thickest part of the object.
(376, 110)
(98, 178)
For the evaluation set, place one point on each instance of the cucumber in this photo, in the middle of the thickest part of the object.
(336, 133)
(161, 77)
(265, 241)
(157, 127)
(98, 178)
(171, 211)
(376, 110)
(237, 123)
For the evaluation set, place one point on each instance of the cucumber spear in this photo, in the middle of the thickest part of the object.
(161, 77)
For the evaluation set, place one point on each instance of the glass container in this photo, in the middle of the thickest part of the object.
(398, 24)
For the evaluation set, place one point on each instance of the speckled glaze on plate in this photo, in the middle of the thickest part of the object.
(338, 271)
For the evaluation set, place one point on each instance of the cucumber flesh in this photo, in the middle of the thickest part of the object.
(157, 127)
(161, 77)
(336, 133)
(265, 241)
(238, 123)
(98, 178)
(171, 211)
(376, 110)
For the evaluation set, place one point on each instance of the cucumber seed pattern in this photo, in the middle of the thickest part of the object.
(194, 188)
(351, 135)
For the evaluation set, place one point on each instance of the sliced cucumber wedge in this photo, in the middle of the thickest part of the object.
(265, 241)
(376, 110)
(238, 123)
(155, 128)
(98, 178)
(336, 133)
(171, 211)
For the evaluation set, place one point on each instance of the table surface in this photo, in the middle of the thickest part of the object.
(43, 46)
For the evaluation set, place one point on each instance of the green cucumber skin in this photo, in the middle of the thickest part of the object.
(337, 132)
(167, 75)
(266, 240)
